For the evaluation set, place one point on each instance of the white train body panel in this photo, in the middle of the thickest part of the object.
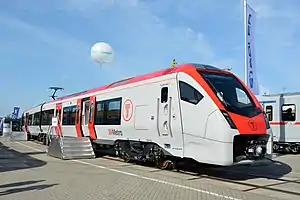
(141, 121)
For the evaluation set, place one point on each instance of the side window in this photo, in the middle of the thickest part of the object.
(66, 116)
(91, 113)
(86, 111)
(36, 119)
(164, 95)
(99, 117)
(269, 112)
(242, 96)
(72, 115)
(69, 115)
(189, 93)
(288, 112)
(113, 115)
(108, 112)
(29, 120)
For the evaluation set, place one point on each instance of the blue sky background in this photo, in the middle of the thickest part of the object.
(47, 43)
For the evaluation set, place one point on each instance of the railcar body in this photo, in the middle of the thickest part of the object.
(190, 111)
(283, 115)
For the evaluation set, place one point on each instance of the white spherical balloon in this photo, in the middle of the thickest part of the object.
(102, 52)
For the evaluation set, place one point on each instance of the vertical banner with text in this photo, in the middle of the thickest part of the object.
(15, 113)
(250, 67)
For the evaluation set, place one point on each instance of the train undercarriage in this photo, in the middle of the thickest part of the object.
(147, 153)
(286, 147)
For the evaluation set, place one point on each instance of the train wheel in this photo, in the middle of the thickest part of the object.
(165, 164)
(125, 157)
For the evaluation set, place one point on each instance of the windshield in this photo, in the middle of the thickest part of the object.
(231, 93)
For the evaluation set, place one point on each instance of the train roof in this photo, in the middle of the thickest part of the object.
(178, 68)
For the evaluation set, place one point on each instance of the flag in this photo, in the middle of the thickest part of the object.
(15, 114)
(250, 65)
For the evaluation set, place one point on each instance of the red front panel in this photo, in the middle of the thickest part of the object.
(58, 115)
(78, 118)
(245, 125)
(254, 125)
(91, 124)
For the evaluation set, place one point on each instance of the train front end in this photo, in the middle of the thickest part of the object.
(247, 127)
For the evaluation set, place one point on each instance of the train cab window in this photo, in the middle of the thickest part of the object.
(164, 95)
(189, 93)
(288, 112)
(242, 96)
(269, 112)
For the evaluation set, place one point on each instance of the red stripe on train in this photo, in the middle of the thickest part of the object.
(284, 123)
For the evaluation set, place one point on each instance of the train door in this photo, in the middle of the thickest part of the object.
(91, 118)
(169, 118)
(85, 116)
(26, 123)
(163, 112)
(78, 118)
(288, 130)
(58, 115)
(272, 111)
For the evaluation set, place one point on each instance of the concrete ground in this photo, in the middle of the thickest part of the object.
(27, 173)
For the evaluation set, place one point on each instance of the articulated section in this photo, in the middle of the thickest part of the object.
(71, 148)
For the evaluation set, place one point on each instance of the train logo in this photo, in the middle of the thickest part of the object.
(114, 132)
(252, 125)
(128, 110)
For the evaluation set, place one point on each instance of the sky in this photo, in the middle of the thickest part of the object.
(47, 43)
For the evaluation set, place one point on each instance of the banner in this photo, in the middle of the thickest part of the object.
(1, 124)
(15, 114)
(250, 67)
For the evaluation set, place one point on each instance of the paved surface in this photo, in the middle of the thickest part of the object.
(27, 173)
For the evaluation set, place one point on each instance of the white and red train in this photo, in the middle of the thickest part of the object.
(190, 111)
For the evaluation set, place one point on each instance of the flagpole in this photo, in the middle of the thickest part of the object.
(245, 42)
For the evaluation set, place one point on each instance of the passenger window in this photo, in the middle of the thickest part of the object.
(288, 112)
(91, 112)
(108, 112)
(269, 112)
(164, 95)
(189, 94)
(100, 117)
